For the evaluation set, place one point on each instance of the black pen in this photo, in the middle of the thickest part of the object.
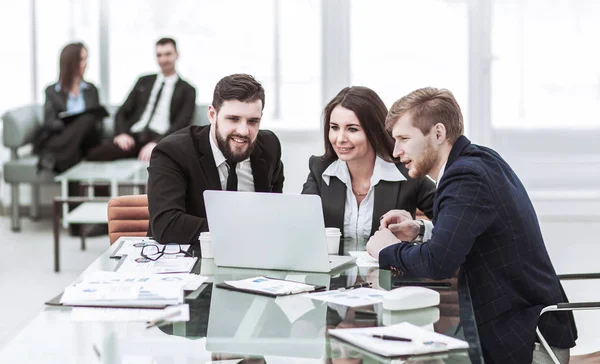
(393, 338)
(358, 285)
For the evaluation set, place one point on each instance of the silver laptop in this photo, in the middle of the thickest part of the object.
(269, 231)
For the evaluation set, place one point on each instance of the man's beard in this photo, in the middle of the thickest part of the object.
(228, 152)
(427, 162)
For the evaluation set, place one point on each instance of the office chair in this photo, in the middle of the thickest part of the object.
(570, 307)
(127, 216)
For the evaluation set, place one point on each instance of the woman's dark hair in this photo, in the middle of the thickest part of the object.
(371, 113)
(70, 60)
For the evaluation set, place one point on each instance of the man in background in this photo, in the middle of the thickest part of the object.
(158, 105)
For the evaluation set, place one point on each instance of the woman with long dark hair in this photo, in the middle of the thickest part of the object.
(63, 142)
(357, 177)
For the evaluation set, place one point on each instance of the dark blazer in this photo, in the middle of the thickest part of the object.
(486, 225)
(56, 102)
(183, 104)
(407, 195)
(182, 167)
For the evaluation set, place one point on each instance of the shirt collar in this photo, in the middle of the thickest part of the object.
(382, 171)
(440, 174)
(167, 79)
(82, 85)
(217, 154)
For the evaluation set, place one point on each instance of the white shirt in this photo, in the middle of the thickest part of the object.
(429, 224)
(440, 174)
(160, 121)
(359, 218)
(243, 168)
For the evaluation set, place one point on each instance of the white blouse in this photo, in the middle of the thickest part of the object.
(359, 218)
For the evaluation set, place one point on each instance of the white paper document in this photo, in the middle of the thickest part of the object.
(104, 314)
(351, 298)
(189, 282)
(363, 259)
(422, 341)
(166, 264)
(270, 286)
(122, 295)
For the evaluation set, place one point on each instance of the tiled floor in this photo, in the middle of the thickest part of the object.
(27, 279)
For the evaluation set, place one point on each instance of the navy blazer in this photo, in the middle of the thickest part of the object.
(182, 167)
(409, 195)
(485, 224)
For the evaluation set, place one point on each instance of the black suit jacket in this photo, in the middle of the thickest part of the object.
(486, 225)
(56, 102)
(183, 104)
(182, 167)
(406, 195)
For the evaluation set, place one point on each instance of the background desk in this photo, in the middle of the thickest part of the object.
(224, 322)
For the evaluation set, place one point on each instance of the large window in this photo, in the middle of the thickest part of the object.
(58, 23)
(16, 54)
(546, 73)
(399, 46)
(545, 87)
(218, 38)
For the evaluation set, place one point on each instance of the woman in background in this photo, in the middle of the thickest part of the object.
(62, 143)
(357, 178)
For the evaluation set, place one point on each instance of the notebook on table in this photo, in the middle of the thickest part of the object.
(421, 341)
(270, 287)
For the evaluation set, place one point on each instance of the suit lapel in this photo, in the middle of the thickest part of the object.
(259, 170)
(61, 99)
(386, 195)
(147, 90)
(207, 160)
(176, 92)
(334, 202)
(457, 149)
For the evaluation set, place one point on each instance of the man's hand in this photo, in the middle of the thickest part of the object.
(124, 141)
(400, 223)
(146, 151)
(382, 239)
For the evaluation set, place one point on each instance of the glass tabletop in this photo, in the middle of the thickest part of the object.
(229, 325)
(119, 170)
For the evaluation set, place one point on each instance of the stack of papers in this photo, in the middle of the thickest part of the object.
(422, 341)
(111, 289)
(122, 295)
(106, 314)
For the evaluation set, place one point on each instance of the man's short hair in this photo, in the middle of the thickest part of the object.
(427, 107)
(241, 87)
(163, 41)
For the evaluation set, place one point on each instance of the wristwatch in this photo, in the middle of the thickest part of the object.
(419, 238)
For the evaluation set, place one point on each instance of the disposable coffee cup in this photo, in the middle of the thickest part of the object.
(333, 236)
(205, 245)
